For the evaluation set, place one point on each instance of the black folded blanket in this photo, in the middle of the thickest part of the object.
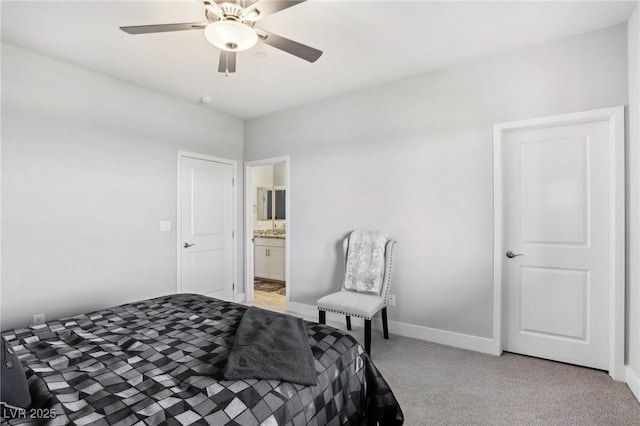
(271, 346)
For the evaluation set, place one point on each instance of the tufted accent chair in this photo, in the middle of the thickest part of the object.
(363, 305)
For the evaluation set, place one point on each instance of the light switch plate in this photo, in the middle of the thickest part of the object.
(392, 300)
(165, 226)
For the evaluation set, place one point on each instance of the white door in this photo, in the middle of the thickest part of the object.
(556, 241)
(207, 228)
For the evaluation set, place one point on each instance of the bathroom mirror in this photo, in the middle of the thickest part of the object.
(265, 204)
(267, 209)
(280, 204)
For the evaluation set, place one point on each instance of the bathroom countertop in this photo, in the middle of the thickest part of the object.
(260, 235)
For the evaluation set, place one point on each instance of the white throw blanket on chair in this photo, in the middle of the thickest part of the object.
(365, 262)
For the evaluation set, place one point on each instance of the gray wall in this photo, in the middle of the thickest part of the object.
(633, 196)
(414, 157)
(88, 171)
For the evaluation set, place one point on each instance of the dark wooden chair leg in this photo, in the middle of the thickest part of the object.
(348, 322)
(322, 317)
(367, 336)
(385, 327)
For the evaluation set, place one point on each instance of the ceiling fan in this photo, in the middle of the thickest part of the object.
(229, 26)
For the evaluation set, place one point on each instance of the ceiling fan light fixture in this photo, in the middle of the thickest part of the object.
(230, 35)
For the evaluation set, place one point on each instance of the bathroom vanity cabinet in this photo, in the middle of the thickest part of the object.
(268, 258)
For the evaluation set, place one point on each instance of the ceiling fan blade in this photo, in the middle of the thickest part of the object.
(292, 47)
(147, 29)
(227, 63)
(268, 7)
(214, 8)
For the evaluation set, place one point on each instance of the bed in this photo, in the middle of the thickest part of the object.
(161, 361)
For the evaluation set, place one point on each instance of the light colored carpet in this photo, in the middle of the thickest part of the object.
(440, 385)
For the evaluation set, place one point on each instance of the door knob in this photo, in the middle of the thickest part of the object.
(510, 254)
(187, 245)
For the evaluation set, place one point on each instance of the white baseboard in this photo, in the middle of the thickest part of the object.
(633, 381)
(443, 337)
(240, 298)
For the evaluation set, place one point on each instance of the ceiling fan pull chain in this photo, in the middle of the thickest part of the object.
(226, 67)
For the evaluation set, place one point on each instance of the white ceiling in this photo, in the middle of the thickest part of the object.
(364, 43)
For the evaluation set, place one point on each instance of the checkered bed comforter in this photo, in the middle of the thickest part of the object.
(160, 361)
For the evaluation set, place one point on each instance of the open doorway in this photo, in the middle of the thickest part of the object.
(266, 219)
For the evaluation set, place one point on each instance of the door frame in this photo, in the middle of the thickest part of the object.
(248, 223)
(234, 164)
(615, 118)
